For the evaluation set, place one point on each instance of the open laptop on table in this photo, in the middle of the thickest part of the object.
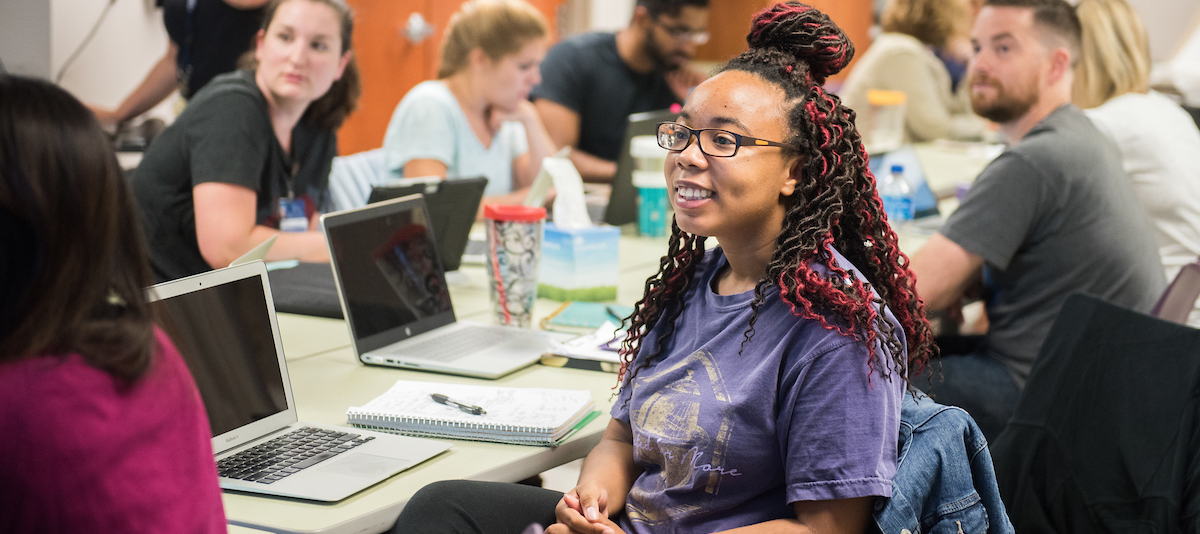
(308, 288)
(394, 297)
(622, 202)
(223, 323)
(452, 207)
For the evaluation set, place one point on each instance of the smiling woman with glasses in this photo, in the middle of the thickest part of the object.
(762, 378)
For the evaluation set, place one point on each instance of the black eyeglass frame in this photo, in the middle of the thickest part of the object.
(739, 140)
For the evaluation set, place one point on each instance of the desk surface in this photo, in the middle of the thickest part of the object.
(326, 379)
(947, 164)
(326, 384)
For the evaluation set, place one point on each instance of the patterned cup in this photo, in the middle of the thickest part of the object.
(514, 235)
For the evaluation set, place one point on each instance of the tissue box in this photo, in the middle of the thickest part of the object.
(579, 264)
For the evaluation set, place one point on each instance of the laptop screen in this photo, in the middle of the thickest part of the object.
(452, 205)
(622, 201)
(224, 334)
(387, 265)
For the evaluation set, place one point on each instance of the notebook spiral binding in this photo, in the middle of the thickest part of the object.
(439, 428)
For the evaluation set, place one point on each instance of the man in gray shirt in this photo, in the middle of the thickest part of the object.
(1053, 215)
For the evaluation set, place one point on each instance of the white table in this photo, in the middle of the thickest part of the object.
(326, 379)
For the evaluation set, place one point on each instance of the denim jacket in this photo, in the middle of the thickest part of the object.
(944, 480)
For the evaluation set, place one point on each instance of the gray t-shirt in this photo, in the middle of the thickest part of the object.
(224, 135)
(1055, 215)
(586, 74)
(728, 440)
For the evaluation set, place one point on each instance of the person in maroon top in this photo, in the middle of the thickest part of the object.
(102, 426)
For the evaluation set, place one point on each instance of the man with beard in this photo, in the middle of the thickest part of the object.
(592, 82)
(1053, 215)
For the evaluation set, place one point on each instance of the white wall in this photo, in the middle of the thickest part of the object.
(1168, 23)
(610, 15)
(25, 37)
(37, 36)
(129, 41)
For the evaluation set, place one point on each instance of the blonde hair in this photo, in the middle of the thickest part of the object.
(498, 27)
(1115, 56)
(932, 22)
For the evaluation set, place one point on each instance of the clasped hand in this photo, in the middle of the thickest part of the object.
(584, 510)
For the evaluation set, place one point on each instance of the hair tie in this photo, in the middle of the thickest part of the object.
(789, 69)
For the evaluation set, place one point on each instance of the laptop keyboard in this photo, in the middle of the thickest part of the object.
(287, 454)
(453, 345)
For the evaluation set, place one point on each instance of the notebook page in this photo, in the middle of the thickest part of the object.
(535, 408)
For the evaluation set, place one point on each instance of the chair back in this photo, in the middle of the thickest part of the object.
(352, 177)
(1106, 435)
(1179, 299)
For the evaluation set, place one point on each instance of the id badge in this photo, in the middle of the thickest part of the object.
(291, 215)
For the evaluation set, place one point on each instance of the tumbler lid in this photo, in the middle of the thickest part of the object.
(512, 212)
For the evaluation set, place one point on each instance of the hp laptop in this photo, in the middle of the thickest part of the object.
(622, 202)
(452, 207)
(223, 323)
(394, 297)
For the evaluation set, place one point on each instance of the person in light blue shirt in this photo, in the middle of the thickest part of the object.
(476, 118)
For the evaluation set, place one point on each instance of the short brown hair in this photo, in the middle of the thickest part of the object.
(73, 264)
(1056, 17)
(498, 27)
(1115, 56)
(329, 111)
(932, 22)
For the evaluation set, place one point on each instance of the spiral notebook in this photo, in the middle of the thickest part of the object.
(523, 416)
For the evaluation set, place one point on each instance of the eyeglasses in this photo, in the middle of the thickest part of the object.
(684, 34)
(713, 141)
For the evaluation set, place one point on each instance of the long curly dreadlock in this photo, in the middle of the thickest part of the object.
(835, 205)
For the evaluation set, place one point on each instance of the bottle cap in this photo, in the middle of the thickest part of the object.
(898, 168)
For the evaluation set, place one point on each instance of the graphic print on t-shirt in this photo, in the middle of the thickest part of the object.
(681, 435)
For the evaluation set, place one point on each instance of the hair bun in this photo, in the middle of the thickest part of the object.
(804, 32)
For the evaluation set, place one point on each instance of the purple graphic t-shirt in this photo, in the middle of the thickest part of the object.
(728, 441)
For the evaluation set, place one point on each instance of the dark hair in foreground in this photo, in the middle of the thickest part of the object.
(329, 111)
(795, 47)
(669, 7)
(1054, 16)
(72, 254)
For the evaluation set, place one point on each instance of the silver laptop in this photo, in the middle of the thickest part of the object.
(395, 301)
(223, 323)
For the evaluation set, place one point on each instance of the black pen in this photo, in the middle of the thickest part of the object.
(442, 399)
(613, 312)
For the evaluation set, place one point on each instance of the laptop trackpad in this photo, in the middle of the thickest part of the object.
(365, 465)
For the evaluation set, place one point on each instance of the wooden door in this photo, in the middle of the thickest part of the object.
(390, 63)
(729, 22)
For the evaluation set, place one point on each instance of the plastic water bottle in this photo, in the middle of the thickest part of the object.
(897, 197)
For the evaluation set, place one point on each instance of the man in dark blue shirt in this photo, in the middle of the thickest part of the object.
(592, 82)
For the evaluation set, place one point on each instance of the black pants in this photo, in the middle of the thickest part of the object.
(470, 507)
(965, 376)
